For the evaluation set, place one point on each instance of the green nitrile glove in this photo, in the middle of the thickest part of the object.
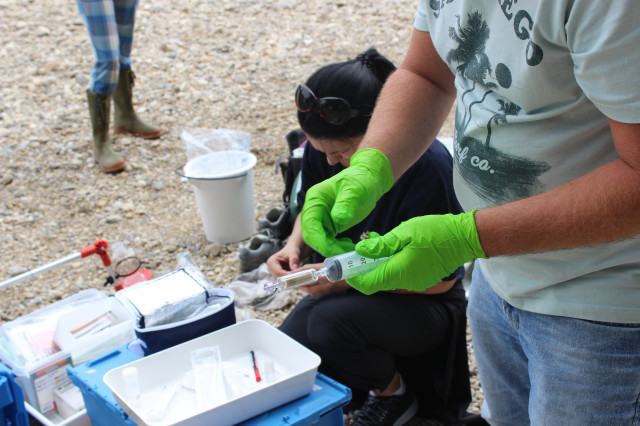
(336, 204)
(425, 250)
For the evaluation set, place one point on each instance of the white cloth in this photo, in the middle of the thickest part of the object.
(248, 291)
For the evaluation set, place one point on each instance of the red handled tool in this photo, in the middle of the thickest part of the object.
(100, 248)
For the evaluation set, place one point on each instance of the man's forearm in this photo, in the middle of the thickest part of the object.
(412, 107)
(596, 208)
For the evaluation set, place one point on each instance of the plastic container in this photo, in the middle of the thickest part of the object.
(102, 408)
(68, 401)
(296, 368)
(94, 329)
(53, 419)
(15, 411)
(27, 347)
(223, 186)
(321, 407)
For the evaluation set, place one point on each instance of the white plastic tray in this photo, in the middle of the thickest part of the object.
(293, 376)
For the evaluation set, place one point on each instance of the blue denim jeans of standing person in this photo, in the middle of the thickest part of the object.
(549, 370)
(110, 24)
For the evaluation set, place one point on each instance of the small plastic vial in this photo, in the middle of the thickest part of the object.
(131, 383)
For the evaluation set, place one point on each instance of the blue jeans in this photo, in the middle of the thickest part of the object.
(548, 370)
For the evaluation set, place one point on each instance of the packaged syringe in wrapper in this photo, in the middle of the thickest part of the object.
(177, 307)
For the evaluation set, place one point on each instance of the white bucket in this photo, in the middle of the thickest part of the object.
(223, 184)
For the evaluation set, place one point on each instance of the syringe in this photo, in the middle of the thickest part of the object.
(335, 268)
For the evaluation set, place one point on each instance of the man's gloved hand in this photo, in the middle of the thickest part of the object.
(425, 250)
(336, 204)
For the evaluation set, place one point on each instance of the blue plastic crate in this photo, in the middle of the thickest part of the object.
(12, 409)
(101, 405)
(322, 407)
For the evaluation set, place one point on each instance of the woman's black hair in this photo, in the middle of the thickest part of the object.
(359, 81)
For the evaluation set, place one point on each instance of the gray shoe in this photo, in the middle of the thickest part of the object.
(259, 249)
(278, 220)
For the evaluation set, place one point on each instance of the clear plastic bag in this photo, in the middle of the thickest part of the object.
(202, 141)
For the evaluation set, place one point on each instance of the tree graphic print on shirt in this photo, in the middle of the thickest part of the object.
(494, 176)
(436, 5)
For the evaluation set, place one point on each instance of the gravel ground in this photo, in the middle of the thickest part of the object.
(199, 63)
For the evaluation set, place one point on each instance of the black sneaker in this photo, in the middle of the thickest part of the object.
(387, 410)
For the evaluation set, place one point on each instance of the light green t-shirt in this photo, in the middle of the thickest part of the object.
(536, 81)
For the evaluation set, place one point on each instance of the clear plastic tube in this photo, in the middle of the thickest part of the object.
(295, 279)
(335, 268)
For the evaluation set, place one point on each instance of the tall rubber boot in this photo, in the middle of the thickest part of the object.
(125, 119)
(100, 109)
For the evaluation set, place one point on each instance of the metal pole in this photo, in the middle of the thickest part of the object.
(39, 270)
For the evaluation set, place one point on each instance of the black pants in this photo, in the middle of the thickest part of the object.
(360, 338)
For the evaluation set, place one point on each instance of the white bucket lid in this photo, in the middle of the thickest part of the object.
(220, 165)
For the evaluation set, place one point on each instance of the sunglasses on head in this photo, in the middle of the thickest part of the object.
(332, 110)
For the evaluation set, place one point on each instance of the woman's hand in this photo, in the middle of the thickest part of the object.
(284, 261)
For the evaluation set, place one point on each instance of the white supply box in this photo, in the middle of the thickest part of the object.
(164, 391)
(94, 329)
